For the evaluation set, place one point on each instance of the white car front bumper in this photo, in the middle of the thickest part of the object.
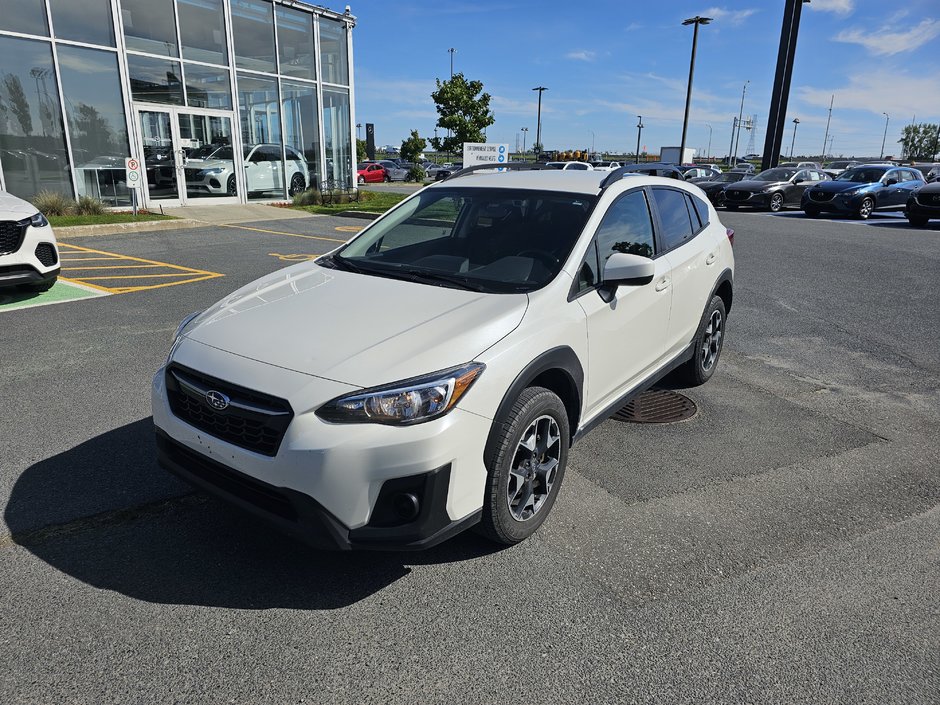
(28, 255)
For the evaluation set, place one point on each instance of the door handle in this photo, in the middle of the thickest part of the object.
(662, 284)
(710, 259)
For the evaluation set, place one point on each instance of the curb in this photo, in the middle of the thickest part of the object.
(361, 215)
(120, 228)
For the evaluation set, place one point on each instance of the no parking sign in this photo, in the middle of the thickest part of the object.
(133, 175)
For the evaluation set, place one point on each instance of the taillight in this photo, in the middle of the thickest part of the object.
(730, 233)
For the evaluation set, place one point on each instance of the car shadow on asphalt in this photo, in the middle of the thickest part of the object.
(190, 549)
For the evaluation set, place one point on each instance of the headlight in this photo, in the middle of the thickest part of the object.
(408, 402)
(210, 172)
(184, 325)
(38, 221)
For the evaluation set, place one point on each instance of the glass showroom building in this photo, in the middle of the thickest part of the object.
(221, 100)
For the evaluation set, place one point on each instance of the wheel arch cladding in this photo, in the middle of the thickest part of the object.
(725, 290)
(558, 370)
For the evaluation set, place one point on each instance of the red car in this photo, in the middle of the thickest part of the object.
(370, 172)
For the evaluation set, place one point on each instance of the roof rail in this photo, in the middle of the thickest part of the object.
(511, 166)
(618, 174)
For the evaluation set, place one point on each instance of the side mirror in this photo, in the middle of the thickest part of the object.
(890, 182)
(622, 269)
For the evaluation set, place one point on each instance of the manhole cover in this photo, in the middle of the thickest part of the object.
(657, 406)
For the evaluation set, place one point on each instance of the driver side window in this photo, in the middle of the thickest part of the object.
(627, 227)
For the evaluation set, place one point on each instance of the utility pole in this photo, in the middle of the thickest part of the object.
(695, 21)
(538, 123)
(734, 126)
(740, 116)
(525, 131)
(796, 121)
(452, 51)
(708, 152)
(887, 117)
(639, 131)
(828, 119)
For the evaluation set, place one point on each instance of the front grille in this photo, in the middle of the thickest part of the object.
(11, 235)
(821, 195)
(931, 200)
(193, 175)
(45, 253)
(737, 195)
(252, 420)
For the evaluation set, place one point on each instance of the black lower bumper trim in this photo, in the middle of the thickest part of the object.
(296, 513)
(15, 274)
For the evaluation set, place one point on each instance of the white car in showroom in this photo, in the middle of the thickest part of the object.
(431, 374)
(214, 174)
(29, 255)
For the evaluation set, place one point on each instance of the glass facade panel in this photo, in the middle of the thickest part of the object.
(337, 137)
(97, 125)
(295, 43)
(32, 141)
(253, 27)
(210, 165)
(159, 157)
(301, 132)
(260, 119)
(155, 80)
(150, 26)
(202, 31)
(208, 87)
(333, 56)
(26, 16)
(86, 21)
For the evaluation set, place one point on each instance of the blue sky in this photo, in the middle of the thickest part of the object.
(606, 62)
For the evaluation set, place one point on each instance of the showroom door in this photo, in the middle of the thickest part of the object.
(189, 157)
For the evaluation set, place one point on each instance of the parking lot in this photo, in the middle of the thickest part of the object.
(780, 546)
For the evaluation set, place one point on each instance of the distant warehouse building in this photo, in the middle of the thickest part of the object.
(221, 100)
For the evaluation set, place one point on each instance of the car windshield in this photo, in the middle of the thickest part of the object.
(861, 175)
(775, 175)
(729, 177)
(490, 240)
(363, 166)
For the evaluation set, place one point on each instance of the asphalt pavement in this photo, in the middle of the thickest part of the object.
(780, 546)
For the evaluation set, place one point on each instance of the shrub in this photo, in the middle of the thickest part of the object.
(89, 206)
(51, 203)
(310, 197)
(416, 173)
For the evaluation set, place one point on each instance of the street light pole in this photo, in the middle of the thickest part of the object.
(734, 126)
(828, 120)
(695, 21)
(538, 123)
(887, 117)
(708, 152)
(639, 131)
(592, 142)
(525, 131)
(452, 51)
(740, 117)
(796, 121)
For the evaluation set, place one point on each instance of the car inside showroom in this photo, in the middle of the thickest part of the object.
(223, 101)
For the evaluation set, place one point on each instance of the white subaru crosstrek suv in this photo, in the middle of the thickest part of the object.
(29, 256)
(431, 374)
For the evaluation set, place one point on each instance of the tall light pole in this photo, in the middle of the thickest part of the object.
(525, 131)
(708, 152)
(695, 21)
(592, 142)
(538, 123)
(828, 119)
(796, 121)
(734, 126)
(452, 51)
(740, 117)
(887, 117)
(639, 131)
(358, 127)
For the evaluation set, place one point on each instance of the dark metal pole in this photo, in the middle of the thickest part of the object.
(696, 21)
(776, 122)
(828, 119)
(538, 125)
(639, 131)
(887, 117)
(737, 141)
(734, 126)
(796, 121)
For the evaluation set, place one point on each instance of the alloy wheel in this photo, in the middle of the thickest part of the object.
(534, 468)
(776, 202)
(711, 340)
(865, 208)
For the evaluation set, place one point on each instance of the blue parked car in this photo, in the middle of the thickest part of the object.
(861, 190)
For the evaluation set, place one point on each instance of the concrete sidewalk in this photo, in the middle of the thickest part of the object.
(226, 215)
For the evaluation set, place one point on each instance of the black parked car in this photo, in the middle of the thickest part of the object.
(714, 186)
(861, 190)
(923, 205)
(772, 189)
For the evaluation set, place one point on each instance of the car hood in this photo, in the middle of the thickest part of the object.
(354, 328)
(208, 164)
(10, 205)
(755, 186)
(840, 186)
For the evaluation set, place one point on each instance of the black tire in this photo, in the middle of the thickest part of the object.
(362, 180)
(499, 522)
(297, 185)
(918, 221)
(776, 202)
(388, 179)
(41, 286)
(811, 211)
(865, 208)
(731, 206)
(719, 199)
(704, 360)
(231, 187)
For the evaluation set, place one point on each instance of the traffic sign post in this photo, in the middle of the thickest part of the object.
(133, 177)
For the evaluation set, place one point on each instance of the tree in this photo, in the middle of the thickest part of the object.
(361, 154)
(919, 141)
(18, 103)
(464, 110)
(411, 149)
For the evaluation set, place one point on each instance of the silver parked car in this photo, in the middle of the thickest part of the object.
(394, 172)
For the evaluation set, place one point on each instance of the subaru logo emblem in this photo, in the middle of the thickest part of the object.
(217, 400)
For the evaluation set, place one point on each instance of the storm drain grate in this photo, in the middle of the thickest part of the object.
(657, 406)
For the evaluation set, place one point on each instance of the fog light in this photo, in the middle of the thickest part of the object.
(406, 505)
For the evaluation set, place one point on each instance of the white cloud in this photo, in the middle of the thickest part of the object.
(866, 91)
(734, 17)
(887, 43)
(581, 55)
(840, 7)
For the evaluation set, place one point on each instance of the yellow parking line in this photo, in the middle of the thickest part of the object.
(136, 276)
(278, 232)
(88, 259)
(113, 266)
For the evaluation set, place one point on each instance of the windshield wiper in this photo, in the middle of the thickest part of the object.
(342, 263)
(453, 279)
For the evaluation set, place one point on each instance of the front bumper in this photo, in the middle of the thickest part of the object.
(914, 207)
(845, 204)
(334, 483)
(35, 259)
(754, 199)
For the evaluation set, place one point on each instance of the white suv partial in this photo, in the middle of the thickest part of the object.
(431, 374)
(29, 256)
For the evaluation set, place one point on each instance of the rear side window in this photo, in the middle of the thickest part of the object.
(674, 216)
(701, 208)
(627, 227)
